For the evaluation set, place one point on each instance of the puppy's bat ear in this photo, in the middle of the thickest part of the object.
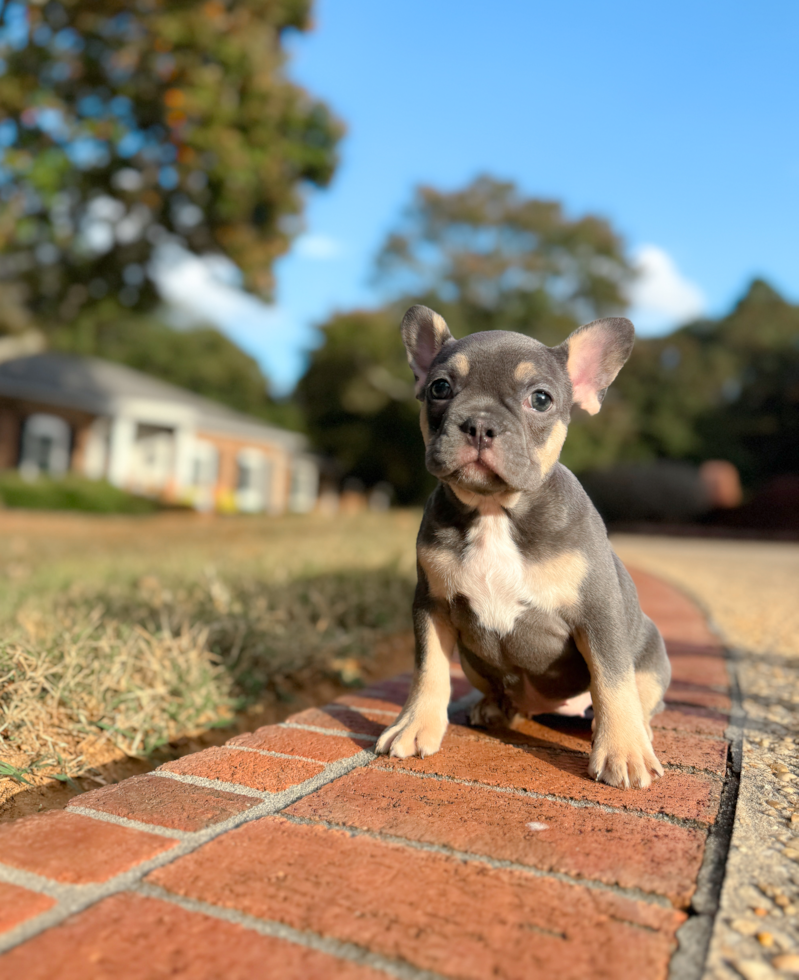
(595, 355)
(424, 333)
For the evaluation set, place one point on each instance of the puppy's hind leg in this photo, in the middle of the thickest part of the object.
(423, 721)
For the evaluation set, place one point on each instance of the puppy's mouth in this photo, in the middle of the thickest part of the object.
(478, 473)
(477, 468)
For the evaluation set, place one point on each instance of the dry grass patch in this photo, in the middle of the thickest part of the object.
(76, 692)
(121, 648)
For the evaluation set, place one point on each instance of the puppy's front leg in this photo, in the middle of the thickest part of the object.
(622, 753)
(423, 721)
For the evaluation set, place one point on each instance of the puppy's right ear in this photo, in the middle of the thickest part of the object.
(424, 333)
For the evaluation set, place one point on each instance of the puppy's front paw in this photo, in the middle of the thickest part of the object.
(415, 734)
(626, 763)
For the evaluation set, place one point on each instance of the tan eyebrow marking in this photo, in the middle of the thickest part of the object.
(524, 370)
(460, 363)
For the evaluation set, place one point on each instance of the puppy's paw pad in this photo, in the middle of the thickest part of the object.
(412, 736)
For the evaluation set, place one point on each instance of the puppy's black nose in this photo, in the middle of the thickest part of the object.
(480, 432)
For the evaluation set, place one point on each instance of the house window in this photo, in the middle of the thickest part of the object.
(204, 465)
(152, 459)
(45, 445)
(253, 481)
(248, 468)
(304, 485)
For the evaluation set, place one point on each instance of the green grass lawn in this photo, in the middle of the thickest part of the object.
(124, 633)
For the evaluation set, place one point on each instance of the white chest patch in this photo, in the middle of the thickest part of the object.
(498, 581)
(492, 575)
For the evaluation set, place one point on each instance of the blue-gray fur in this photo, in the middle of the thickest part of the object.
(488, 414)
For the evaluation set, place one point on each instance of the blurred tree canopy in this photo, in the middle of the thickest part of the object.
(488, 258)
(127, 125)
(358, 403)
(714, 389)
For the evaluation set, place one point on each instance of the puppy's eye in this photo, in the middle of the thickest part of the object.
(539, 401)
(440, 389)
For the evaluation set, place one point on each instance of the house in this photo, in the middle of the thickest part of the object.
(63, 413)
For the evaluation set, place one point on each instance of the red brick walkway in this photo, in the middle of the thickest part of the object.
(293, 852)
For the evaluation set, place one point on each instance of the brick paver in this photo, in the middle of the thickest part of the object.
(438, 913)
(74, 849)
(265, 773)
(671, 747)
(296, 741)
(494, 762)
(590, 843)
(692, 719)
(145, 939)
(166, 803)
(294, 852)
(339, 717)
(18, 904)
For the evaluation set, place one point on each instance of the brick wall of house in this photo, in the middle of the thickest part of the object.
(14, 411)
(229, 447)
(9, 436)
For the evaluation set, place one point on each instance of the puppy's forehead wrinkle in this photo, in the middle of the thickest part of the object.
(502, 342)
(492, 345)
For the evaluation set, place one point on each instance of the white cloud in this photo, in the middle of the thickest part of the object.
(203, 287)
(206, 289)
(317, 246)
(661, 298)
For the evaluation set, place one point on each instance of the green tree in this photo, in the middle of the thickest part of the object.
(125, 125)
(358, 403)
(754, 418)
(487, 257)
(725, 388)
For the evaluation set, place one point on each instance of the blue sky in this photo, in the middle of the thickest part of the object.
(679, 122)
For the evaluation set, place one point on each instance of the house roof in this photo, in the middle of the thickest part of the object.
(104, 388)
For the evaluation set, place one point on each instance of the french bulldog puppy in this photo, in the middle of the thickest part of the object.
(514, 565)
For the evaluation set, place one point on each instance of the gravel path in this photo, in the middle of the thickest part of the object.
(751, 593)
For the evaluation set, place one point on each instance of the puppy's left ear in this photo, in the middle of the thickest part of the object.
(595, 355)
(424, 333)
